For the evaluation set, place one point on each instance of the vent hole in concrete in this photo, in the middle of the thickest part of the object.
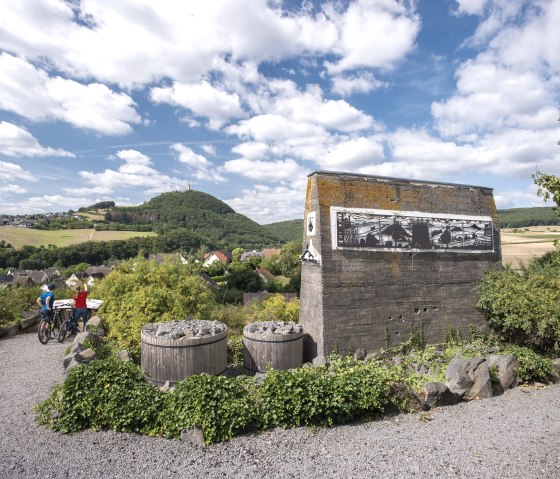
(434, 308)
(425, 310)
(400, 316)
(416, 310)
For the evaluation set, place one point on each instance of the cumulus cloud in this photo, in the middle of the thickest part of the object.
(17, 189)
(374, 34)
(15, 141)
(203, 100)
(136, 171)
(198, 166)
(490, 97)
(269, 171)
(133, 43)
(268, 204)
(364, 82)
(32, 93)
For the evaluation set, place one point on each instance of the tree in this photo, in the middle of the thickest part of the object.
(549, 187)
(141, 292)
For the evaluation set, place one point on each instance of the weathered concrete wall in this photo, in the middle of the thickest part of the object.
(389, 256)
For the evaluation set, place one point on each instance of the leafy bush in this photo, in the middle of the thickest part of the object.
(104, 394)
(218, 405)
(15, 300)
(532, 366)
(525, 308)
(274, 308)
(323, 395)
(141, 292)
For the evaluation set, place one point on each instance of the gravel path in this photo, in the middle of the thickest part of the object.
(515, 435)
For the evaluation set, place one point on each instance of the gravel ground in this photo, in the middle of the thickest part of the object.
(515, 435)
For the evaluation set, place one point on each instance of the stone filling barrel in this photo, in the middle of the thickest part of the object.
(279, 344)
(172, 351)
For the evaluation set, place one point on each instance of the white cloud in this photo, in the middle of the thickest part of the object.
(134, 43)
(203, 100)
(199, 167)
(471, 7)
(270, 171)
(364, 82)
(252, 150)
(209, 149)
(15, 141)
(490, 97)
(136, 172)
(268, 204)
(375, 34)
(45, 204)
(17, 189)
(31, 93)
(352, 154)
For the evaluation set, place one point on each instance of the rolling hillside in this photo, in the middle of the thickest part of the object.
(199, 212)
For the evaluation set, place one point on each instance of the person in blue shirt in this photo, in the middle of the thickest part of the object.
(46, 302)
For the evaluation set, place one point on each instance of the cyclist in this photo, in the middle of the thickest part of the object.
(80, 307)
(46, 303)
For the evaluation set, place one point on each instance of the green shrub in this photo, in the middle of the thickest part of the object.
(218, 405)
(532, 366)
(274, 308)
(104, 394)
(323, 395)
(524, 308)
(141, 292)
(234, 317)
(15, 300)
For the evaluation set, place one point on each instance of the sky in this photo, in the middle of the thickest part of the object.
(243, 99)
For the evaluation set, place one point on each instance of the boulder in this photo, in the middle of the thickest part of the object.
(29, 318)
(438, 394)
(507, 377)
(360, 354)
(123, 355)
(193, 435)
(95, 326)
(10, 329)
(405, 398)
(86, 356)
(469, 378)
(87, 336)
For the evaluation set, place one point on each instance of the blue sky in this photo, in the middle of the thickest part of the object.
(242, 99)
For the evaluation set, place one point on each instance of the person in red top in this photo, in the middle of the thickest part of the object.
(80, 307)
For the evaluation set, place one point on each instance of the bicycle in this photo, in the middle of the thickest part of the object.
(50, 326)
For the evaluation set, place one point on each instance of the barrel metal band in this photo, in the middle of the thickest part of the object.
(182, 346)
(268, 341)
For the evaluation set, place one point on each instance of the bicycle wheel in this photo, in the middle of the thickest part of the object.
(44, 331)
(64, 328)
(56, 325)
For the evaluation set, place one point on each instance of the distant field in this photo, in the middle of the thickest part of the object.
(525, 245)
(19, 237)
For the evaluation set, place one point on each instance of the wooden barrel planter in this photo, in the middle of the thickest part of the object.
(279, 345)
(172, 357)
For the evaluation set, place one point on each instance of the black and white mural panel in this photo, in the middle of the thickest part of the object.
(415, 231)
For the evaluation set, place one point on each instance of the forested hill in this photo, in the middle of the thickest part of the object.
(198, 212)
(521, 217)
(291, 230)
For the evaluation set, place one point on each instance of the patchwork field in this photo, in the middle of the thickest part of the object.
(19, 237)
(522, 244)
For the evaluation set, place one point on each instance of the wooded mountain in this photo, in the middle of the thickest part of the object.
(199, 212)
(521, 217)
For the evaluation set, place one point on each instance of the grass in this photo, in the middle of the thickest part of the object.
(19, 237)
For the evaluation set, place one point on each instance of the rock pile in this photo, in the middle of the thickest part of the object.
(185, 329)
(274, 327)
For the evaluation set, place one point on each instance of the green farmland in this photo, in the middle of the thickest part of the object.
(19, 237)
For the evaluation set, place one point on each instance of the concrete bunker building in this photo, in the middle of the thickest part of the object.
(387, 256)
